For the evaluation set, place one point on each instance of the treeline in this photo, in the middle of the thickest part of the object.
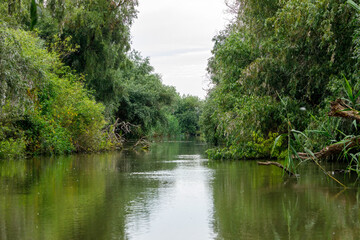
(67, 74)
(275, 69)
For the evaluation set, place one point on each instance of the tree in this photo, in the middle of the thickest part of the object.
(294, 49)
(144, 97)
(101, 30)
(188, 110)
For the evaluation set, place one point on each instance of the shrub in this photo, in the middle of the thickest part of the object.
(44, 100)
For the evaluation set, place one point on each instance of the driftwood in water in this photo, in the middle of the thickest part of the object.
(338, 109)
(115, 132)
(278, 165)
(143, 142)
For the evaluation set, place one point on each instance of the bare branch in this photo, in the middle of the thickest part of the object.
(340, 109)
(332, 150)
(278, 165)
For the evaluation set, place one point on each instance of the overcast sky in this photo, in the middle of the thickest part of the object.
(176, 35)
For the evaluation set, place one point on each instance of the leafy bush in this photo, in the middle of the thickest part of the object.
(187, 111)
(258, 147)
(44, 100)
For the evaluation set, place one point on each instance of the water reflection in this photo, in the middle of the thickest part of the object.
(182, 209)
(129, 195)
(171, 192)
(254, 202)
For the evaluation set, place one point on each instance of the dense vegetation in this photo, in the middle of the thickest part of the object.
(275, 69)
(67, 74)
(45, 107)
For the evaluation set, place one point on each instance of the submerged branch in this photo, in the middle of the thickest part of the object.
(278, 165)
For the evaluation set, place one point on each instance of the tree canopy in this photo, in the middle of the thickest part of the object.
(272, 62)
(68, 74)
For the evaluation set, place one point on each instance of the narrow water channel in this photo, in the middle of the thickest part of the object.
(171, 192)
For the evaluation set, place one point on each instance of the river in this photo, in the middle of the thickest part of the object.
(171, 192)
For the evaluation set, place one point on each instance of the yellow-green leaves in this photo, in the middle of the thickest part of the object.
(54, 112)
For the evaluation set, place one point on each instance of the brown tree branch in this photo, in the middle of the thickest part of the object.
(332, 150)
(340, 109)
(119, 4)
(278, 165)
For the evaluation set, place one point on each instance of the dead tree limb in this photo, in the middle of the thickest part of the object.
(113, 136)
(143, 142)
(278, 165)
(340, 109)
(332, 150)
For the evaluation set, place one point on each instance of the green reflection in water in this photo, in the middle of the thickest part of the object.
(137, 195)
(253, 202)
(84, 196)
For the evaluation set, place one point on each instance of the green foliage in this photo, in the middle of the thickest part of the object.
(86, 45)
(33, 14)
(235, 128)
(170, 128)
(209, 121)
(12, 142)
(354, 5)
(94, 39)
(258, 147)
(299, 50)
(298, 141)
(101, 32)
(188, 110)
(232, 53)
(11, 148)
(351, 94)
(15, 12)
(145, 99)
(182, 117)
(45, 107)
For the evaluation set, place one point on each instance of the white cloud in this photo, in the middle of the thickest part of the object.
(176, 35)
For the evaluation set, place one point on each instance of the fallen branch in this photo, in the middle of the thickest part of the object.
(126, 127)
(340, 109)
(142, 142)
(332, 150)
(278, 165)
(112, 135)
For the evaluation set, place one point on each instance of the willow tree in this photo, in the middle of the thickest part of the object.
(101, 31)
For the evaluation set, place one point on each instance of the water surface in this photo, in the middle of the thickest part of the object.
(171, 192)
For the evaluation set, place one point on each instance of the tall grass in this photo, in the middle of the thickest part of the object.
(296, 141)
